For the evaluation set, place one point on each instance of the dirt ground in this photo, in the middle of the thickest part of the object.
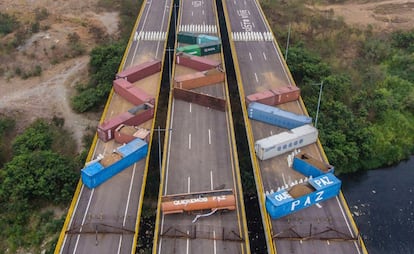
(49, 94)
(385, 15)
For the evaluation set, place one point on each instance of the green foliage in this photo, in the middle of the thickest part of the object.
(38, 176)
(41, 172)
(306, 66)
(7, 24)
(7, 125)
(403, 40)
(36, 137)
(103, 65)
(365, 118)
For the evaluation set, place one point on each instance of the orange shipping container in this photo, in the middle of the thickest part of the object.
(178, 204)
(199, 79)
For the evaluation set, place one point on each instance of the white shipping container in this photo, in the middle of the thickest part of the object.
(278, 144)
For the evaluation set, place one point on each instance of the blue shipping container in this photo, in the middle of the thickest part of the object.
(309, 166)
(281, 203)
(95, 173)
(275, 116)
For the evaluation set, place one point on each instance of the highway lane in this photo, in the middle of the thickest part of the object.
(105, 218)
(200, 158)
(261, 68)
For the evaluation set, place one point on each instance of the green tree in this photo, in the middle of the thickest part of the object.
(36, 137)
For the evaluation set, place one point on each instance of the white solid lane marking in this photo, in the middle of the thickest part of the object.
(188, 242)
(211, 179)
(209, 136)
(127, 206)
(284, 180)
(83, 220)
(119, 244)
(188, 184)
(215, 242)
(189, 141)
(71, 218)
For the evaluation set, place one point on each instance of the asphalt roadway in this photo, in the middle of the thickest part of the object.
(105, 218)
(199, 157)
(325, 228)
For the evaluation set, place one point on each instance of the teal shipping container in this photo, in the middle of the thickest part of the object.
(186, 37)
(204, 38)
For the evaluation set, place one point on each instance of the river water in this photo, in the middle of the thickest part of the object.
(382, 203)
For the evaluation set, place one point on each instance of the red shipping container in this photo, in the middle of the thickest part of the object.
(119, 84)
(196, 62)
(140, 71)
(137, 96)
(140, 114)
(134, 116)
(106, 129)
(266, 97)
(286, 94)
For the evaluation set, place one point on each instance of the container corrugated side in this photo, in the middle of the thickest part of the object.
(278, 144)
(187, 37)
(276, 116)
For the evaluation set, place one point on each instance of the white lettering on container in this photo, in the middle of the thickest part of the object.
(323, 181)
(190, 201)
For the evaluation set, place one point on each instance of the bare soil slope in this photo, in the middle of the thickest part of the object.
(385, 15)
(49, 94)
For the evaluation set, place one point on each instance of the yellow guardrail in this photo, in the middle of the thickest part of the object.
(164, 156)
(250, 139)
(322, 151)
(234, 155)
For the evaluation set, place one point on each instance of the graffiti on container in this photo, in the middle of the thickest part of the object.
(190, 201)
(297, 203)
(245, 23)
(323, 181)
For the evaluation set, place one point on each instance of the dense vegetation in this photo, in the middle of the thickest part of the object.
(105, 59)
(103, 65)
(366, 115)
(39, 178)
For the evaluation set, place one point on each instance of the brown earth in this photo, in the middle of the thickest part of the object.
(385, 15)
(49, 94)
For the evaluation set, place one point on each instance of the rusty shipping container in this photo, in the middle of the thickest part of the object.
(265, 97)
(123, 84)
(200, 99)
(199, 79)
(196, 62)
(137, 96)
(140, 71)
(125, 133)
(275, 96)
(199, 201)
(135, 116)
(286, 94)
